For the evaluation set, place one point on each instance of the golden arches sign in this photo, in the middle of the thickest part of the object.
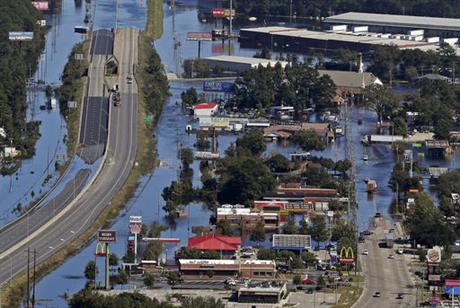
(346, 255)
(102, 249)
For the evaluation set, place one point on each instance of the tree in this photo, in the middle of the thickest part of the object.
(342, 166)
(243, 179)
(189, 97)
(266, 254)
(258, 234)
(384, 60)
(318, 229)
(290, 227)
(91, 270)
(113, 259)
(426, 225)
(296, 279)
(223, 226)
(278, 163)
(383, 100)
(153, 251)
(308, 140)
(149, 280)
(253, 141)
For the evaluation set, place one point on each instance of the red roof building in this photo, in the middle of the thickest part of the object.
(214, 242)
(205, 106)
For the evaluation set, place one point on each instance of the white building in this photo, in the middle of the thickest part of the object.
(240, 64)
(10, 152)
(205, 110)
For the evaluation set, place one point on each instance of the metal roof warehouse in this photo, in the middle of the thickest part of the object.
(449, 26)
(299, 40)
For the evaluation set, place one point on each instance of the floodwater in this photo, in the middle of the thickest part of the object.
(29, 183)
(170, 134)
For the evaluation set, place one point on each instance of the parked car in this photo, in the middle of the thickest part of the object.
(365, 252)
(400, 296)
(377, 294)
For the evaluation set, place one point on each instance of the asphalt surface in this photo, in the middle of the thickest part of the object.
(77, 217)
(102, 42)
(384, 275)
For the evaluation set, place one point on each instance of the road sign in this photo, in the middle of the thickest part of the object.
(107, 236)
(199, 36)
(220, 12)
(41, 5)
(218, 86)
(20, 36)
(135, 228)
(135, 219)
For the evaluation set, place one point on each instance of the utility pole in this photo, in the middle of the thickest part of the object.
(33, 280)
(28, 278)
(290, 12)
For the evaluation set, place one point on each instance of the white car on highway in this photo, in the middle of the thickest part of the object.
(365, 252)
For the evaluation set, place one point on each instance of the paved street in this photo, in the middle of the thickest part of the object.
(71, 222)
(384, 275)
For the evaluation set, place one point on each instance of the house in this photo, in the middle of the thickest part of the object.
(215, 242)
(348, 83)
(284, 131)
(10, 152)
(205, 110)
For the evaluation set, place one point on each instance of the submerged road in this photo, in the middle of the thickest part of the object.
(71, 221)
(387, 276)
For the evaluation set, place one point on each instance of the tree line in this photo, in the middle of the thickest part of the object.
(18, 61)
(302, 8)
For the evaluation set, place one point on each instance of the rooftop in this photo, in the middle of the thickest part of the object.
(225, 261)
(246, 60)
(214, 242)
(358, 38)
(434, 23)
(205, 106)
(351, 79)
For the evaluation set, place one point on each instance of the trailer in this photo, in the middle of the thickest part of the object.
(381, 139)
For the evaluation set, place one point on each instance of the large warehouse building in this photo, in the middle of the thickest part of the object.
(300, 40)
(386, 23)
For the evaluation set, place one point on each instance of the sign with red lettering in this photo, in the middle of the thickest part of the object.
(220, 12)
(41, 5)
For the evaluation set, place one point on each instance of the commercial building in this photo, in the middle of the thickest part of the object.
(445, 27)
(284, 131)
(287, 39)
(266, 292)
(351, 82)
(247, 219)
(240, 64)
(205, 110)
(215, 242)
(219, 269)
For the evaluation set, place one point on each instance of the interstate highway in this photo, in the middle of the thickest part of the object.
(120, 154)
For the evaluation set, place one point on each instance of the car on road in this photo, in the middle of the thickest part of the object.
(400, 296)
(378, 215)
(365, 252)
(391, 257)
(129, 79)
(400, 251)
(367, 232)
(377, 294)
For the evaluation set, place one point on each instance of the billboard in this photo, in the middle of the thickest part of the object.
(135, 219)
(218, 86)
(135, 228)
(107, 236)
(291, 241)
(220, 12)
(20, 36)
(199, 36)
(433, 255)
(41, 5)
(214, 122)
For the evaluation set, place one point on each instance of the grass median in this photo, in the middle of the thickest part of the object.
(154, 24)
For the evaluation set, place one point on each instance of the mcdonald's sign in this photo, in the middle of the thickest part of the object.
(346, 255)
(102, 249)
